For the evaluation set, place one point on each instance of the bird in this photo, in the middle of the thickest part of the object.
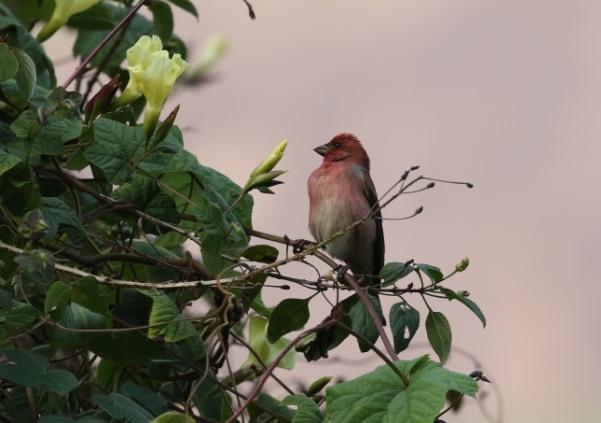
(341, 192)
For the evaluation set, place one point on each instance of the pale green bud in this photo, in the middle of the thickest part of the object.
(462, 265)
(270, 162)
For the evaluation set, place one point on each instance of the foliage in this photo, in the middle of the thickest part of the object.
(110, 229)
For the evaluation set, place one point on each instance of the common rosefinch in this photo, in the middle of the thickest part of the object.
(341, 192)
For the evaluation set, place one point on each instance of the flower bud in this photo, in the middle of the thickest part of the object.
(102, 99)
(270, 162)
(214, 49)
(165, 127)
(462, 265)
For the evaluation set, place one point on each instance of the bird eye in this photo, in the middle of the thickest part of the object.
(337, 145)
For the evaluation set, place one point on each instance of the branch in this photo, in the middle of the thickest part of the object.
(260, 361)
(380, 354)
(330, 322)
(123, 283)
(130, 15)
(104, 199)
(350, 281)
(371, 310)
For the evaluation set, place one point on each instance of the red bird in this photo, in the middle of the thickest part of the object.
(341, 192)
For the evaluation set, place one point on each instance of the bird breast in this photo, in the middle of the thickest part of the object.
(336, 201)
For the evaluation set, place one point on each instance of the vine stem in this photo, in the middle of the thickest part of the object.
(351, 281)
(371, 310)
(251, 397)
(79, 70)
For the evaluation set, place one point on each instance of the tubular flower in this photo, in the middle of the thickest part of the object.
(152, 73)
(139, 56)
(63, 10)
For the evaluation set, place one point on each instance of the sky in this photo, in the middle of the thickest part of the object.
(504, 94)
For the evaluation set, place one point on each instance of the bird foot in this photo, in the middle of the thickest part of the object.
(299, 245)
(341, 270)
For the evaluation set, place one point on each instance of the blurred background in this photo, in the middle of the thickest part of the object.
(505, 94)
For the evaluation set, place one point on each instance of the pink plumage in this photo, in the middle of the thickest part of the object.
(341, 192)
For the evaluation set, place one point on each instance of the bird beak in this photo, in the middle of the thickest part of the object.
(322, 149)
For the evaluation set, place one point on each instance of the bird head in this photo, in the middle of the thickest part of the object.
(344, 147)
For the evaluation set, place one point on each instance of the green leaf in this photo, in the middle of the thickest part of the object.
(56, 419)
(221, 233)
(173, 417)
(452, 295)
(404, 321)
(438, 330)
(25, 10)
(108, 374)
(58, 215)
(307, 411)
(57, 296)
(7, 162)
(92, 295)
(56, 131)
(162, 19)
(146, 397)
(289, 315)
(45, 71)
(261, 253)
(166, 320)
(46, 126)
(90, 37)
(126, 348)
(30, 369)
(381, 396)
(17, 318)
(432, 272)
(266, 350)
(8, 63)
(362, 322)
(121, 407)
(318, 345)
(26, 76)
(96, 18)
(146, 195)
(17, 404)
(267, 408)
(187, 5)
(114, 146)
(392, 272)
(60, 381)
(19, 191)
(211, 400)
(75, 316)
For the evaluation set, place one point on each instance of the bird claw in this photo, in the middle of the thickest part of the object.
(341, 270)
(299, 245)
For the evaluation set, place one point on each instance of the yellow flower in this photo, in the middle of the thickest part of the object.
(63, 10)
(152, 73)
(139, 56)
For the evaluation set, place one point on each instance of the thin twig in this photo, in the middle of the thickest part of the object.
(102, 43)
(380, 354)
(330, 322)
(260, 360)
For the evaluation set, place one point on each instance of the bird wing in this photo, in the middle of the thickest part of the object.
(372, 198)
